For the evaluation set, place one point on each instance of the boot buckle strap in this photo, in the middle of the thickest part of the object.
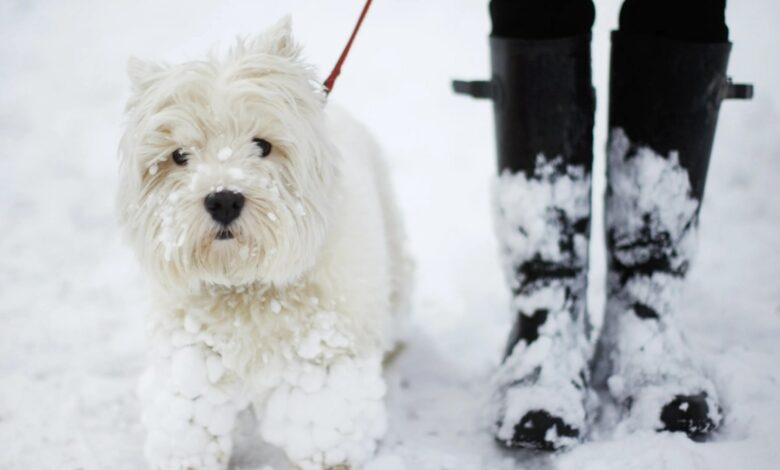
(737, 91)
(475, 88)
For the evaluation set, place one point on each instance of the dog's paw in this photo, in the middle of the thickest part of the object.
(328, 417)
(188, 410)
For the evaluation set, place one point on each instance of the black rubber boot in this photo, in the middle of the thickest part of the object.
(665, 97)
(543, 106)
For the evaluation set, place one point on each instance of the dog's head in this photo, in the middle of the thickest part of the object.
(226, 169)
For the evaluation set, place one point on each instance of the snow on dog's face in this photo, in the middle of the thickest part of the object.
(226, 170)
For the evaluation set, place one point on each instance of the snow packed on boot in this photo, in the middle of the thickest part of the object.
(643, 359)
(542, 222)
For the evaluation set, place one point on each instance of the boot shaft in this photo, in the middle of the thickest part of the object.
(544, 105)
(665, 98)
(543, 102)
(666, 95)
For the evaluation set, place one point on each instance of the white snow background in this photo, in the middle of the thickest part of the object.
(72, 298)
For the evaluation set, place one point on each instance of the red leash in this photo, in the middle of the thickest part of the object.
(331, 80)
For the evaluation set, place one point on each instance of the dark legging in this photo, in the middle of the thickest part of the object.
(686, 20)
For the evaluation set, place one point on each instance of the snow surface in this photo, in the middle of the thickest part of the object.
(72, 298)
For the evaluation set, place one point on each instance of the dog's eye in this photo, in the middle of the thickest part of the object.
(179, 157)
(264, 146)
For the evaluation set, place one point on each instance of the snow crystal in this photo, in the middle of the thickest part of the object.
(243, 252)
(312, 380)
(311, 346)
(215, 368)
(191, 324)
(236, 173)
(182, 338)
(224, 153)
(386, 462)
(188, 370)
(173, 233)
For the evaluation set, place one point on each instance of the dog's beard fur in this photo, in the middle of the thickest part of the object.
(260, 90)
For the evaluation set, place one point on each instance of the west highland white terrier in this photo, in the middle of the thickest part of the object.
(266, 223)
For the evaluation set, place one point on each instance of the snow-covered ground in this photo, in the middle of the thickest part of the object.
(72, 298)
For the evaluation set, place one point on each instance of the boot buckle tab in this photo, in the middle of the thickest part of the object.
(738, 91)
(475, 89)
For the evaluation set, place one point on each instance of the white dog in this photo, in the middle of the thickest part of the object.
(266, 223)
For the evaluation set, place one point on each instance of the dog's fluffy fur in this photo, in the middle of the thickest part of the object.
(295, 312)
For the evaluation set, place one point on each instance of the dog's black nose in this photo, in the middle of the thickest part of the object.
(224, 206)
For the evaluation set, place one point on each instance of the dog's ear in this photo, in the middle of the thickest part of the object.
(278, 39)
(142, 73)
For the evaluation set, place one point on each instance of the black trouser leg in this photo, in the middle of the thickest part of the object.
(683, 20)
(541, 19)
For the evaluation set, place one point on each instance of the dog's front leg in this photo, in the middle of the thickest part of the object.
(328, 414)
(189, 409)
